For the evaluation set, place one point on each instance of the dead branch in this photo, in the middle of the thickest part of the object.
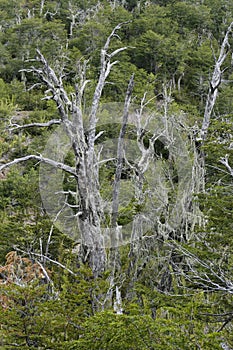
(40, 158)
(105, 69)
(225, 162)
(15, 126)
(202, 273)
(47, 258)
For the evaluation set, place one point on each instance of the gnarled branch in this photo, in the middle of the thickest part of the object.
(40, 158)
(15, 126)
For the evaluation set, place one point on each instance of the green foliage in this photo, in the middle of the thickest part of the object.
(168, 41)
(218, 200)
(35, 315)
(110, 331)
(191, 16)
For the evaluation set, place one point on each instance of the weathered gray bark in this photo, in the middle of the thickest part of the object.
(14, 126)
(86, 171)
(114, 258)
(225, 162)
(120, 157)
(40, 158)
(215, 82)
(42, 3)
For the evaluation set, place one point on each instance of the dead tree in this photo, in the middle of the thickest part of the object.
(215, 82)
(86, 170)
(150, 192)
(206, 274)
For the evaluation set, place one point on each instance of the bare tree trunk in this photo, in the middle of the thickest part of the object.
(42, 7)
(215, 83)
(86, 171)
(114, 256)
(120, 156)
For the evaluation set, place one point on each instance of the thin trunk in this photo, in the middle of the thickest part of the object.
(120, 156)
(215, 83)
(114, 259)
(42, 7)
